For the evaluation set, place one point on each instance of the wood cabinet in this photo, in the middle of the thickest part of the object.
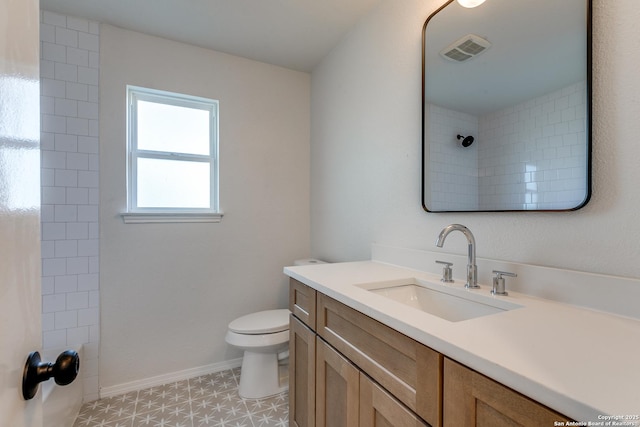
(341, 362)
(412, 372)
(378, 408)
(302, 302)
(346, 397)
(302, 374)
(337, 388)
(347, 369)
(471, 399)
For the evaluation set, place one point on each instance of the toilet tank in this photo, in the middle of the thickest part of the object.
(308, 261)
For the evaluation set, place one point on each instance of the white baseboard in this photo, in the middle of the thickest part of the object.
(171, 377)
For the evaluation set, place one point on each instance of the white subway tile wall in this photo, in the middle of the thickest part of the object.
(69, 72)
(453, 171)
(529, 156)
(533, 155)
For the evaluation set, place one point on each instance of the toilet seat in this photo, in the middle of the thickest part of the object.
(262, 322)
(262, 343)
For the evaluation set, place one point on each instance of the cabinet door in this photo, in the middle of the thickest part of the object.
(471, 399)
(337, 388)
(379, 409)
(302, 302)
(302, 384)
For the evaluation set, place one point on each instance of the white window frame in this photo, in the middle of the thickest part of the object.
(136, 214)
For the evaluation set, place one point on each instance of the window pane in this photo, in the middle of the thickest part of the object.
(173, 184)
(163, 127)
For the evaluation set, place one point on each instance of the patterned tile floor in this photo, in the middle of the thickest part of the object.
(209, 400)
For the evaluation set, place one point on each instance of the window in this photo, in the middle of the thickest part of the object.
(172, 173)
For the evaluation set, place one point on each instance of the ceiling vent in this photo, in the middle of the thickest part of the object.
(465, 48)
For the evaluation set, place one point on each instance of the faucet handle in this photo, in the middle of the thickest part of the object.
(499, 287)
(447, 272)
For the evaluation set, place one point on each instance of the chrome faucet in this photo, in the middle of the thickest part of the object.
(472, 269)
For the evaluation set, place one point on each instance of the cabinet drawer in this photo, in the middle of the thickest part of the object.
(302, 302)
(409, 370)
(471, 399)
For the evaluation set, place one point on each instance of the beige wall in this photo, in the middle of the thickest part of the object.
(365, 155)
(168, 291)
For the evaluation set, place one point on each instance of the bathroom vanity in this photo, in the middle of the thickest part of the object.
(349, 369)
(362, 356)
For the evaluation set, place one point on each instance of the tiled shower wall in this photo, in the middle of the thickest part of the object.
(453, 175)
(529, 156)
(69, 72)
(533, 155)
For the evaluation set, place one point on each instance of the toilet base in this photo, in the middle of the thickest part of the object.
(261, 375)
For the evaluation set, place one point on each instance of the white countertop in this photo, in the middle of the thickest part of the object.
(582, 363)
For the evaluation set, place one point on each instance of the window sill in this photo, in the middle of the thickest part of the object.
(156, 217)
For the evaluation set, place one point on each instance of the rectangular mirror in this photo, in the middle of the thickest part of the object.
(507, 106)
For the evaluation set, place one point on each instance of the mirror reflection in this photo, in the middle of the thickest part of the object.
(506, 106)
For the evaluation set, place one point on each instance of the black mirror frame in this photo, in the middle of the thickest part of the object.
(588, 132)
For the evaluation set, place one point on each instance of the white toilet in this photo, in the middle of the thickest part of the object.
(264, 337)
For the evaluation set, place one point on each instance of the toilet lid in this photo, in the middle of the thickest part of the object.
(262, 322)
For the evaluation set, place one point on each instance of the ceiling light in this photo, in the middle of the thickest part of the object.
(470, 3)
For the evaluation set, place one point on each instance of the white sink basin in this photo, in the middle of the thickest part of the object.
(448, 303)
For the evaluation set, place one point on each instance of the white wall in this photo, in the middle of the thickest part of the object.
(69, 75)
(366, 132)
(168, 291)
